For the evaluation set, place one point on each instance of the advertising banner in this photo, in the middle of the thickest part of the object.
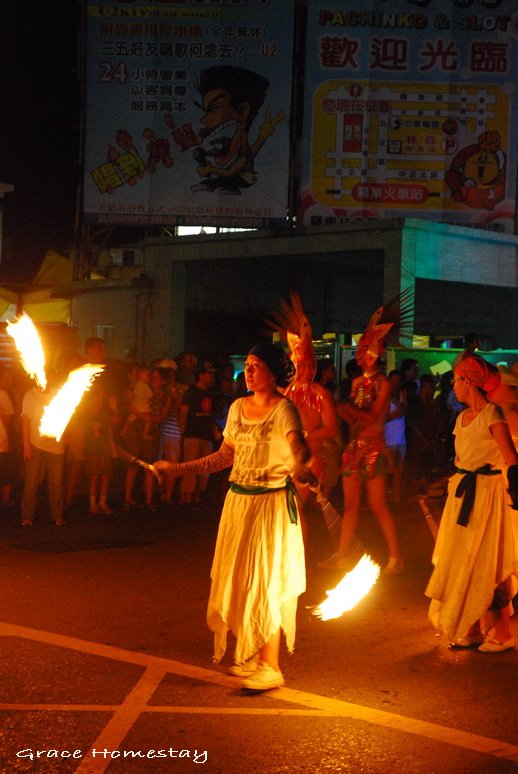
(187, 112)
(411, 111)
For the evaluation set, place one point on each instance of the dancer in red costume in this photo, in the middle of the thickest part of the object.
(315, 404)
(364, 459)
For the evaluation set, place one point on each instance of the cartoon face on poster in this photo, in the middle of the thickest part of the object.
(412, 111)
(186, 113)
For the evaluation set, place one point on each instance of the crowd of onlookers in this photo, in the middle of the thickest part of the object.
(176, 410)
(168, 409)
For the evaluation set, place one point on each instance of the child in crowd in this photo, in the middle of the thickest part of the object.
(99, 451)
(140, 402)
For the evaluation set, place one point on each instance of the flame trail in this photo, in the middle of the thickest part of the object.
(58, 412)
(28, 344)
(351, 589)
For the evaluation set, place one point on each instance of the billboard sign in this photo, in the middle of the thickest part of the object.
(187, 112)
(411, 110)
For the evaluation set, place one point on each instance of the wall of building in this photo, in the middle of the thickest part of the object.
(465, 280)
(213, 293)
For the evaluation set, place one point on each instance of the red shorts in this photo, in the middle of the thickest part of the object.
(364, 457)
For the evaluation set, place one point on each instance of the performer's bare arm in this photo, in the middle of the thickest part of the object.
(212, 463)
(328, 427)
(301, 453)
(372, 416)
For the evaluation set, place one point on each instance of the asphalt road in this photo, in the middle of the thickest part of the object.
(105, 661)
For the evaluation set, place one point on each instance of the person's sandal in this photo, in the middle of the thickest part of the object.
(468, 641)
(492, 645)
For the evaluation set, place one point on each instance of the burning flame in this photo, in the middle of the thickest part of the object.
(28, 344)
(58, 412)
(351, 589)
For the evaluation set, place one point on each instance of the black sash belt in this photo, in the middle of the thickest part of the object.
(466, 489)
(255, 490)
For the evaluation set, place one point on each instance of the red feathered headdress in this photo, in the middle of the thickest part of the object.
(392, 318)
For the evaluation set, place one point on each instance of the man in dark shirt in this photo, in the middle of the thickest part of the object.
(198, 428)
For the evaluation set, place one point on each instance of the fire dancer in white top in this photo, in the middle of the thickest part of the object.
(258, 570)
(476, 553)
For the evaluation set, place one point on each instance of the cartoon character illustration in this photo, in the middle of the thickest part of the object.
(231, 99)
(477, 174)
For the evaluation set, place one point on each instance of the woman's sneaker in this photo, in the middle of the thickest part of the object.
(264, 678)
(245, 669)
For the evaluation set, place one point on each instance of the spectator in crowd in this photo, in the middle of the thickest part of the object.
(471, 344)
(99, 449)
(352, 371)
(240, 388)
(410, 371)
(199, 430)
(186, 366)
(449, 409)
(223, 397)
(139, 403)
(170, 433)
(395, 434)
(95, 353)
(43, 455)
(139, 433)
(422, 424)
(95, 350)
(7, 446)
(159, 409)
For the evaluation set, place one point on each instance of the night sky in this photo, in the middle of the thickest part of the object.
(39, 144)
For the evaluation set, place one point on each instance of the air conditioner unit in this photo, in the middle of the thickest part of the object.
(121, 256)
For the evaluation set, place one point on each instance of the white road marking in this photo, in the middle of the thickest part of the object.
(157, 667)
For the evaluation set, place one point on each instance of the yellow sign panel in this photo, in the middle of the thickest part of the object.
(415, 145)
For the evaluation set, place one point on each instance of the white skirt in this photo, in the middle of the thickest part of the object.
(258, 572)
(470, 562)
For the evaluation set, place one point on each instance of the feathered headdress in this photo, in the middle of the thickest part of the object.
(293, 323)
(389, 322)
